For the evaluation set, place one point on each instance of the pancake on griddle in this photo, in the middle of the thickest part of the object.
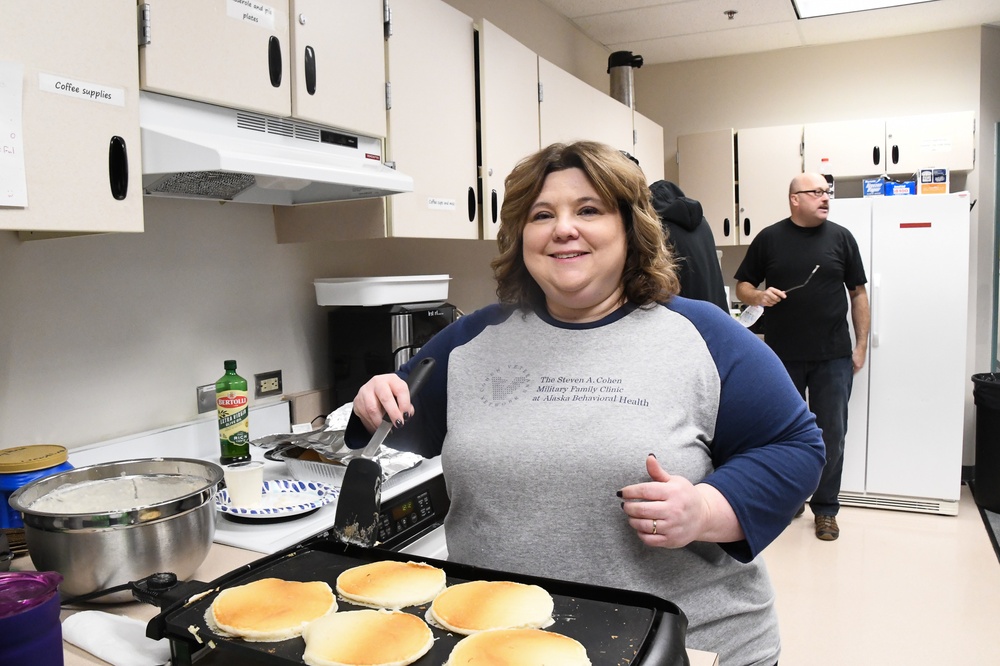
(270, 609)
(390, 584)
(483, 604)
(369, 637)
(518, 647)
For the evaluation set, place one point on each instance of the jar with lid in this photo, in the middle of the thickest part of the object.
(21, 465)
(30, 631)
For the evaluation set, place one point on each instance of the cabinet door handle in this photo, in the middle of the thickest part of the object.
(118, 168)
(746, 227)
(310, 63)
(895, 154)
(274, 60)
(493, 205)
(725, 227)
(876, 155)
(472, 204)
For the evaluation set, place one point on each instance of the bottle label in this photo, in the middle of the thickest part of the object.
(234, 424)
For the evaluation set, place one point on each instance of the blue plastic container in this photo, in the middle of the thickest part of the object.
(20, 466)
(30, 631)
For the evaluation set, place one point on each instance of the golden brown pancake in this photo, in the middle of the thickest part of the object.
(369, 637)
(479, 605)
(518, 647)
(390, 584)
(270, 609)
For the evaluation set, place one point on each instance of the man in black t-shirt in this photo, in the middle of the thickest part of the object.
(806, 262)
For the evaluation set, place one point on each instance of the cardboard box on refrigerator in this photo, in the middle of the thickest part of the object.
(873, 187)
(893, 188)
(933, 181)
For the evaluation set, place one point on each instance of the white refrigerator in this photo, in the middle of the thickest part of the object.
(906, 415)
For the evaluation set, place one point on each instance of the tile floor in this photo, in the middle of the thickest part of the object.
(896, 588)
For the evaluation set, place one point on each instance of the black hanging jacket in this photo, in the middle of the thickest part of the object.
(692, 241)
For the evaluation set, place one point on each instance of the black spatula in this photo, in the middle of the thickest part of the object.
(361, 492)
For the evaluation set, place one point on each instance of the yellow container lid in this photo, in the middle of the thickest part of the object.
(31, 458)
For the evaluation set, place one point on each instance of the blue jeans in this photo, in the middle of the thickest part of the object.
(828, 386)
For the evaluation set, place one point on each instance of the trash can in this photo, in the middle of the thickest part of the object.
(986, 395)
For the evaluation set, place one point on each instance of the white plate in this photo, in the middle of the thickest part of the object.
(281, 498)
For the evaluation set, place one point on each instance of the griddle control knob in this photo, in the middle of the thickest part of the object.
(161, 581)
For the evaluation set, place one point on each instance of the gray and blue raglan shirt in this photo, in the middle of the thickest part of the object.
(540, 422)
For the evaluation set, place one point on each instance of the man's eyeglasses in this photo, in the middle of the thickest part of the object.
(816, 193)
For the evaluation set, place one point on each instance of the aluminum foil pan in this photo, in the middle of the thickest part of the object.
(322, 454)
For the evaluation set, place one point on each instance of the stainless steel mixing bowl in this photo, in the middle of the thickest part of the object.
(99, 550)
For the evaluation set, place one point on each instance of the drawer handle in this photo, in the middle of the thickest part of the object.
(895, 154)
(746, 227)
(310, 62)
(118, 168)
(725, 227)
(493, 205)
(274, 60)
(876, 155)
(472, 204)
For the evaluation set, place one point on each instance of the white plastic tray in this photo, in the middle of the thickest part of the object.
(382, 290)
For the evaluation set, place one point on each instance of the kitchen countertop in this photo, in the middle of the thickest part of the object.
(221, 559)
(198, 439)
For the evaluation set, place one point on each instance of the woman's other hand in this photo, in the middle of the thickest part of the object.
(670, 512)
(383, 394)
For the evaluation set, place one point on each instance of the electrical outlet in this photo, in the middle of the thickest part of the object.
(267, 384)
(206, 398)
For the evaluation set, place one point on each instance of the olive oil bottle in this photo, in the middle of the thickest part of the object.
(234, 415)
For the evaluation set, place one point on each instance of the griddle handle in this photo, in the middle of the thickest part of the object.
(666, 647)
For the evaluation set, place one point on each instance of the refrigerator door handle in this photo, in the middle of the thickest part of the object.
(876, 289)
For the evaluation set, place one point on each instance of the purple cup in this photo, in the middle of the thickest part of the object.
(30, 631)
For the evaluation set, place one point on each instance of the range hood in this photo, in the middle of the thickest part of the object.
(194, 150)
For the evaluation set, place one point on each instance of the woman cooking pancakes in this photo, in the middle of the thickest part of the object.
(595, 427)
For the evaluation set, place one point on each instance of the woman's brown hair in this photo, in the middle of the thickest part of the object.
(650, 274)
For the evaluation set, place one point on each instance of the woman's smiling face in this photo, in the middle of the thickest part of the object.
(574, 246)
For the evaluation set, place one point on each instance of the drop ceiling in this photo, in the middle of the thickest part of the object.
(664, 31)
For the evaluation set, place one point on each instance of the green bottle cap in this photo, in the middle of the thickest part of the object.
(230, 365)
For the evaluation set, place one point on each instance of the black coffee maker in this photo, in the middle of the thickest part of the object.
(371, 340)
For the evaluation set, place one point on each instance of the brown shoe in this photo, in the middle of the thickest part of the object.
(826, 528)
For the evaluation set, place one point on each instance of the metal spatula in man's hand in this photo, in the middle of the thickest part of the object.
(360, 495)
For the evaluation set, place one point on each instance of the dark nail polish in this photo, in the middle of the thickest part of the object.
(619, 493)
(623, 506)
(653, 454)
(399, 423)
(407, 415)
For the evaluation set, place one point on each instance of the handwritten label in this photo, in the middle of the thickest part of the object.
(92, 92)
(250, 11)
(435, 203)
(13, 184)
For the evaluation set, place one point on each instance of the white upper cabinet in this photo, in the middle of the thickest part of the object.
(69, 113)
(859, 148)
(219, 51)
(945, 140)
(319, 60)
(706, 166)
(432, 120)
(851, 148)
(338, 64)
(508, 101)
(648, 147)
(571, 110)
(767, 160)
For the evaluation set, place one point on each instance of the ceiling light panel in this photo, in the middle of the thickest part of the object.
(813, 8)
